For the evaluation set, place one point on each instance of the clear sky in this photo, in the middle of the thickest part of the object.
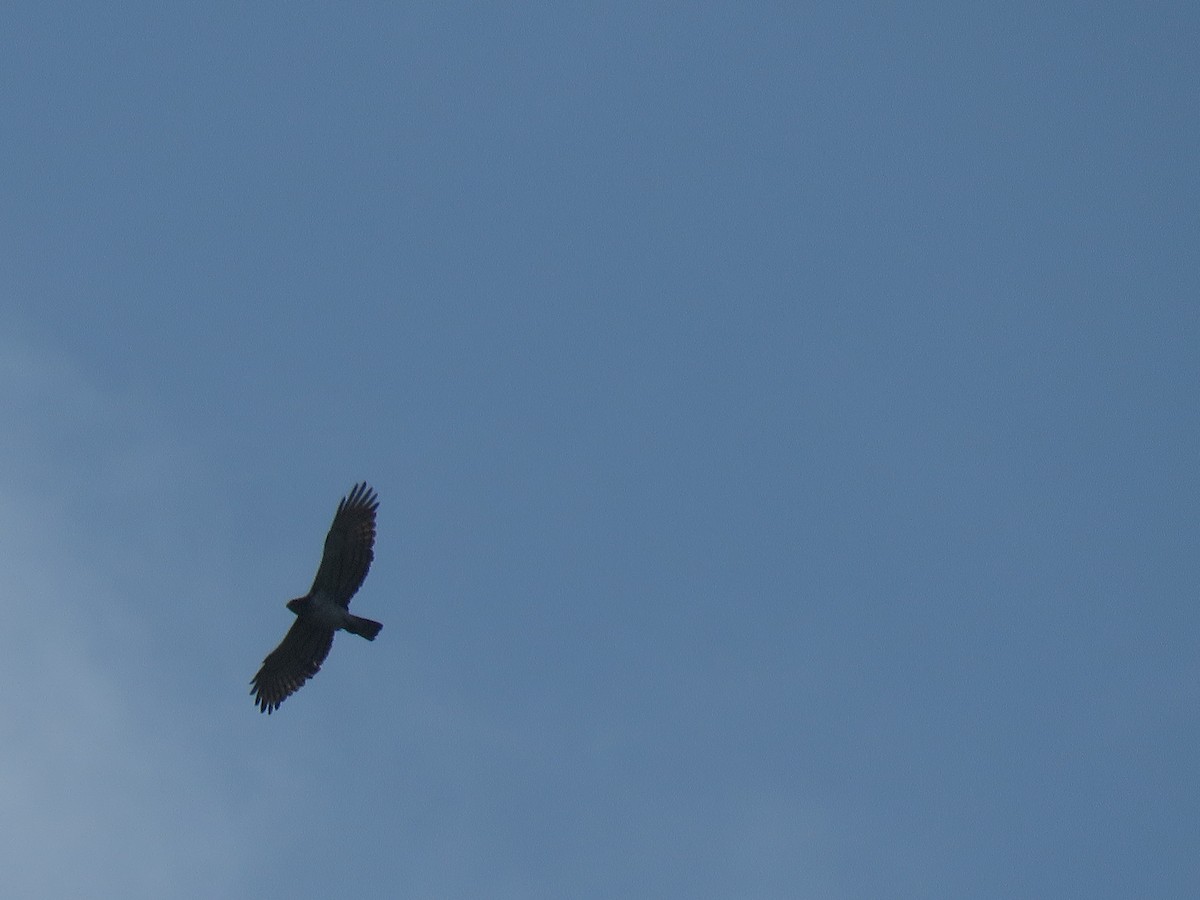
(784, 416)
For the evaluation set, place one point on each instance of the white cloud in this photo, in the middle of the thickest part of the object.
(104, 788)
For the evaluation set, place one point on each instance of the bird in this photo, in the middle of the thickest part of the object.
(349, 550)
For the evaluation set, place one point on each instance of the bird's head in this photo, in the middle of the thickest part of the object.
(297, 605)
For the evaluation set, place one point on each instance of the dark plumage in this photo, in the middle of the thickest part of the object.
(349, 549)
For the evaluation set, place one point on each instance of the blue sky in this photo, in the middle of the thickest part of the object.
(784, 419)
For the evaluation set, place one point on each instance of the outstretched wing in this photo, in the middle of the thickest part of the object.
(349, 546)
(297, 659)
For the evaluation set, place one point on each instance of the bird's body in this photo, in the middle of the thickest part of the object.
(349, 550)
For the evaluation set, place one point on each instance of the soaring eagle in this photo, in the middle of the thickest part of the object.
(349, 549)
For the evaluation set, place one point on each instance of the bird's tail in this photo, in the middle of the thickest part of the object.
(367, 628)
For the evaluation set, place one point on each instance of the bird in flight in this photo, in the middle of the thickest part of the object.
(349, 549)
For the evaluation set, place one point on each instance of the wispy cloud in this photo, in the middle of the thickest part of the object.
(105, 790)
